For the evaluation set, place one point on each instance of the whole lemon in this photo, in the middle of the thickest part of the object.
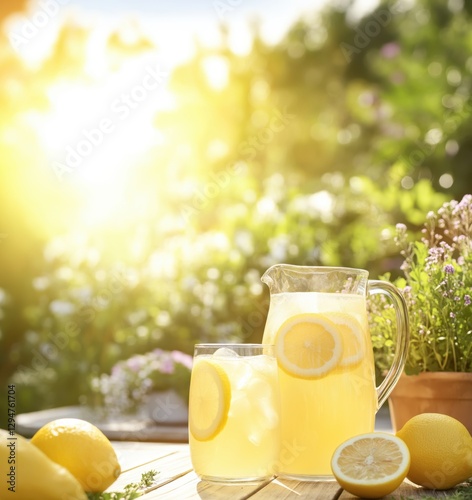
(82, 449)
(440, 448)
(28, 473)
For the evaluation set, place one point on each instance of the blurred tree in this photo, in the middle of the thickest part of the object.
(418, 99)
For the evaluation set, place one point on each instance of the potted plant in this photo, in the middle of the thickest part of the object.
(156, 382)
(437, 286)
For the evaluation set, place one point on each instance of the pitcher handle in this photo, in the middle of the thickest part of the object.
(403, 336)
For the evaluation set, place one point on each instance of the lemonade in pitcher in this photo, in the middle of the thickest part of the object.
(318, 322)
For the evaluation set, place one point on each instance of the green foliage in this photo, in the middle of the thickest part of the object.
(438, 291)
(461, 492)
(420, 89)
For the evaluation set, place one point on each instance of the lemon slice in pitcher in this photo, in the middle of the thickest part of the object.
(209, 401)
(308, 346)
(352, 336)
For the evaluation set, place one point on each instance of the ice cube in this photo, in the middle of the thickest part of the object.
(263, 364)
(225, 352)
(271, 417)
(242, 375)
(255, 437)
(240, 406)
(258, 388)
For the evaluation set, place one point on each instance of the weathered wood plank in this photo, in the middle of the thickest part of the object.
(286, 489)
(133, 454)
(190, 486)
(408, 490)
(169, 467)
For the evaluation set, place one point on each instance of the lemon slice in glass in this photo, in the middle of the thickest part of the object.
(308, 346)
(371, 465)
(209, 401)
(352, 336)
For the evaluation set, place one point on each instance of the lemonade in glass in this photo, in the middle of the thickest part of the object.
(317, 321)
(234, 424)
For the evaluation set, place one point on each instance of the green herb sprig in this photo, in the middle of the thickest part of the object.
(131, 491)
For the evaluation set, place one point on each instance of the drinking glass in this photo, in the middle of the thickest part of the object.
(234, 426)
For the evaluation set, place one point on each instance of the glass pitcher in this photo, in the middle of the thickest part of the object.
(317, 320)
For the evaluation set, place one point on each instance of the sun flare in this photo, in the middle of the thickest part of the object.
(95, 132)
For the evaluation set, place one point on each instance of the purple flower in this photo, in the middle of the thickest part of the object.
(390, 50)
(435, 254)
(449, 269)
(182, 358)
(117, 370)
(467, 300)
(167, 366)
(135, 363)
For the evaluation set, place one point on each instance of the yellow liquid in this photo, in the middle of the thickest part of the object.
(319, 414)
(247, 448)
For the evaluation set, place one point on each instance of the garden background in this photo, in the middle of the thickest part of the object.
(144, 190)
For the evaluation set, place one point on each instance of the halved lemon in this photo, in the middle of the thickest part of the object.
(352, 335)
(308, 346)
(209, 401)
(371, 465)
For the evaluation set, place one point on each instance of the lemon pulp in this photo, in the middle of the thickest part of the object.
(371, 465)
(352, 335)
(210, 398)
(308, 345)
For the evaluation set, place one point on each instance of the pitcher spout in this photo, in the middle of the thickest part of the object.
(284, 277)
(269, 276)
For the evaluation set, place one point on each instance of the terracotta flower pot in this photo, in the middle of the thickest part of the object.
(449, 393)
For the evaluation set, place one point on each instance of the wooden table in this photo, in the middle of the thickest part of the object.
(176, 479)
